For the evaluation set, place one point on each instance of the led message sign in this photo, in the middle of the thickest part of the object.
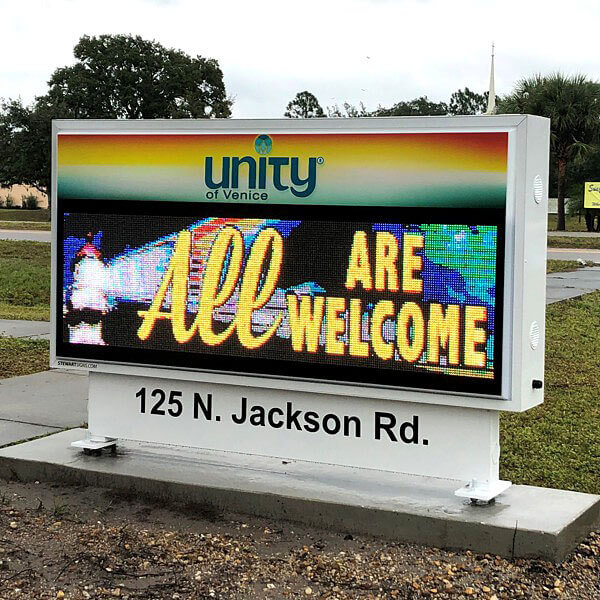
(338, 297)
(378, 258)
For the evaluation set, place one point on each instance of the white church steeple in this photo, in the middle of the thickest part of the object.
(491, 105)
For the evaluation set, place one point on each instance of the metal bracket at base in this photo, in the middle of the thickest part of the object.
(485, 491)
(94, 444)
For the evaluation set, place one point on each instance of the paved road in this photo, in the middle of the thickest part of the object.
(25, 329)
(575, 234)
(2, 221)
(574, 254)
(20, 235)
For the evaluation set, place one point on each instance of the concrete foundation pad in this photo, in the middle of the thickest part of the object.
(524, 521)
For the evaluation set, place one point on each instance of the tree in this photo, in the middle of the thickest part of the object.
(467, 102)
(573, 105)
(115, 76)
(413, 108)
(25, 134)
(304, 106)
(350, 111)
(120, 76)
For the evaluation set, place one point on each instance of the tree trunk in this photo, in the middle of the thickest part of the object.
(560, 185)
(589, 220)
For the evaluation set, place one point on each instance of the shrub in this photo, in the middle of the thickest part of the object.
(574, 206)
(575, 200)
(10, 202)
(30, 202)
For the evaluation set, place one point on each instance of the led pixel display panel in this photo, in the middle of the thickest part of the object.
(353, 294)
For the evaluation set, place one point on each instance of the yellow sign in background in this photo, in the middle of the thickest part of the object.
(591, 197)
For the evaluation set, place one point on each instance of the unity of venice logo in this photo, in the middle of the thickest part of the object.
(254, 178)
(263, 144)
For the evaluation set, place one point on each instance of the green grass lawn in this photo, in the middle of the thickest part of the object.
(19, 214)
(557, 444)
(560, 266)
(26, 225)
(24, 280)
(572, 223)
(23, 356)
(573, 242)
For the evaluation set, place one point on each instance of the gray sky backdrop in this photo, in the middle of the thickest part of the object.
(374, 51)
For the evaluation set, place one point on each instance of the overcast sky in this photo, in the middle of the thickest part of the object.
(374, 51)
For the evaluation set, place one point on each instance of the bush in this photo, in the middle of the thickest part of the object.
(1, 202)
(574, 206)
(10, 202)
(30, 202)
(575, 201)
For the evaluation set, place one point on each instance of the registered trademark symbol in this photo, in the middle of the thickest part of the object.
(320, 160)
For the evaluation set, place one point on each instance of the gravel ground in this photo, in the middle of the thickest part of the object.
(75, 542)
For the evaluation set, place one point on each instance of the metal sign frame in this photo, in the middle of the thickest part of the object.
(524, 253)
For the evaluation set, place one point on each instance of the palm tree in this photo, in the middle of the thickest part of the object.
(572, 103)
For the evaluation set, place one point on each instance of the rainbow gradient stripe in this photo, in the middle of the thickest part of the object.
(458, 170)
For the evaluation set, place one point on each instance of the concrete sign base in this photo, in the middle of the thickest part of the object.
(447, 442)
(407, 508)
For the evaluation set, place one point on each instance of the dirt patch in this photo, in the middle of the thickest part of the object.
(79, 543)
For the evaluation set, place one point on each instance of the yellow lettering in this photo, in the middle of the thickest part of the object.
(410, 313)
(411, 263)
(382, 311)
(359, 268)
(443, 331)
(305, 324)
(177, 274)
(211, 296)
(251, 298)
(386, 255)
(355, 343)
(334, 325)
(474, 336)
